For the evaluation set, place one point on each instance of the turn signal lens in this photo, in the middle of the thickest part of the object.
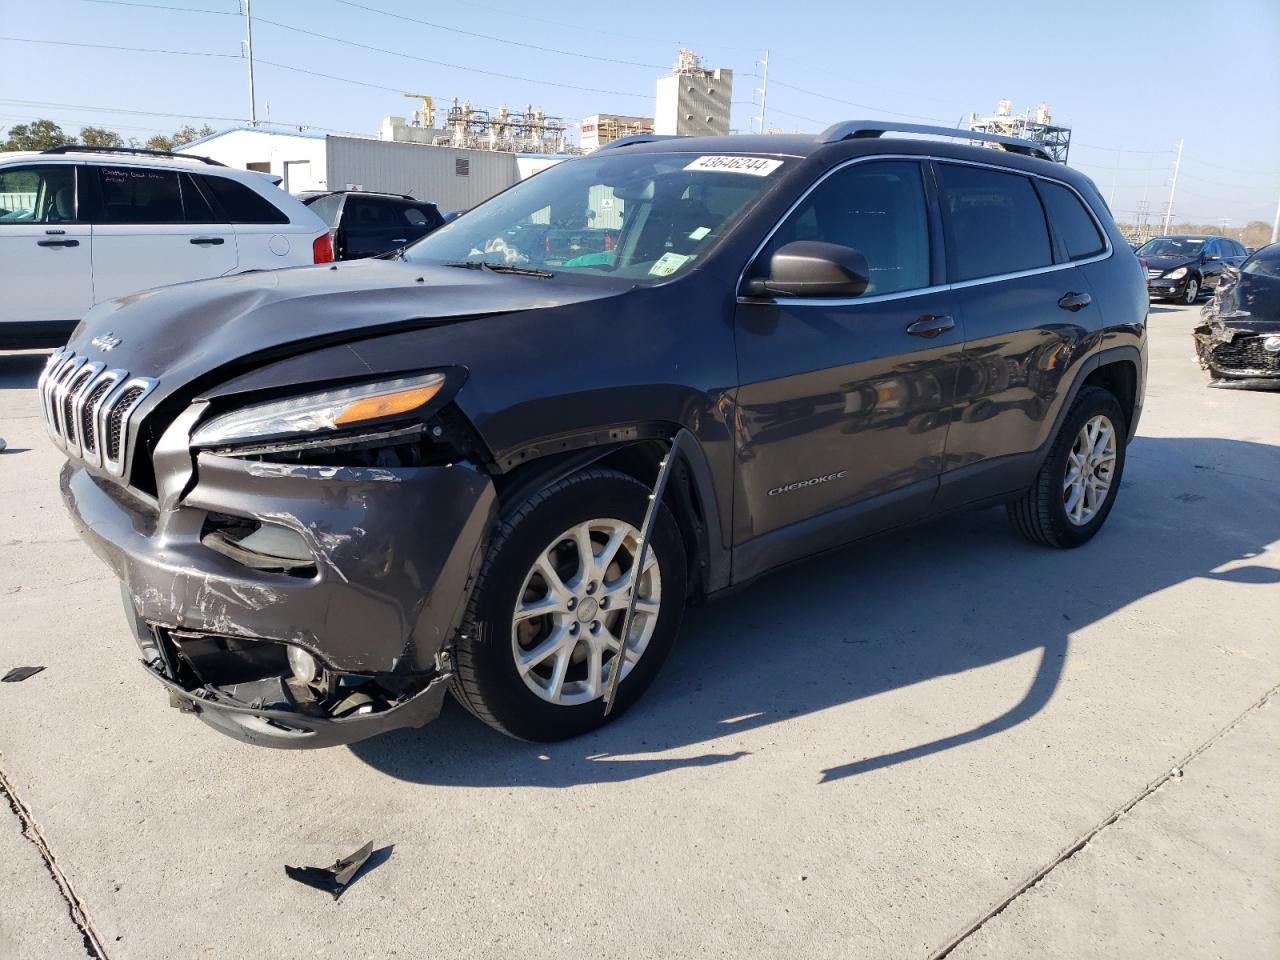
(387, 405)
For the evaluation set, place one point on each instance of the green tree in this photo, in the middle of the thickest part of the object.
(36, 135)
(184, 136)
(100, 137)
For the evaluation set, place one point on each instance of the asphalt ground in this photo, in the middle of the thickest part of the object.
(947, 741)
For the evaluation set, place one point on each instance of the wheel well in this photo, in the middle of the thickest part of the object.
(1120, 378)
(640, 460)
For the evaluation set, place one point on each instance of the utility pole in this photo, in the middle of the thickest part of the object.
(763, 89)
(1275, 224)
(1115, 171)
(248, 42)
(1173, 187)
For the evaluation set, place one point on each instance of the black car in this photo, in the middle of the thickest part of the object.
(1182, 268)
(503, 467)
(1239, 341)
(367, 224)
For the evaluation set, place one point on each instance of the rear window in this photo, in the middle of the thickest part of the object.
(240, 204)
(1077, 229)
(995, 223)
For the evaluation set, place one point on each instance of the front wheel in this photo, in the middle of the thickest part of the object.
(1192, 292)
(543, 631)
(1077, 485)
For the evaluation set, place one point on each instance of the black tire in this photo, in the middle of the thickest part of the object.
(1193, 291)
(487, 682)
(1040, 514)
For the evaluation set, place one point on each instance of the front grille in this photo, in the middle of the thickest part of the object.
(1245, 354)
(1152, 274)
(87, 408)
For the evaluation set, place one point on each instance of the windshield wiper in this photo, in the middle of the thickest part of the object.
(501, 268)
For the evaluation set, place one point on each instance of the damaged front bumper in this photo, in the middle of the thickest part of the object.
(1238, 356)
(369, 604)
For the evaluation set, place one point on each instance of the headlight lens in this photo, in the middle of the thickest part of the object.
(321, 412)
(1177, 274)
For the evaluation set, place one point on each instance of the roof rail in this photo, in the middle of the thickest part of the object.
(133, 151)
(641, 138)
(863, 129)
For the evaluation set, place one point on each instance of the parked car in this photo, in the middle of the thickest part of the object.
(1182, 268)
(1239, 341)
(366, 224)
(333, 493)
(82, 225)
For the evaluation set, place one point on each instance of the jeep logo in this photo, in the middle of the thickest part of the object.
(811, 482)
(106, 341)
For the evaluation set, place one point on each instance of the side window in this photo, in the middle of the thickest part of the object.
(878, 209)
(366, 213)
(140, 195)
(44, 194)
(995, 223)
(194, 203)
(326, 208)
(422, 219)
(1077, 229)
(239, 203)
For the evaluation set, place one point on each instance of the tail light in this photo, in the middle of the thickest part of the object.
(322, 248)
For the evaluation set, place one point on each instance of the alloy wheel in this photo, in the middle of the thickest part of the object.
(1193, 290)
(567, 622)
(1091, 467)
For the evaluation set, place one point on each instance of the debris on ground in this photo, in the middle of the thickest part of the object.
(334, 879)
(18, 674)
(2, 444)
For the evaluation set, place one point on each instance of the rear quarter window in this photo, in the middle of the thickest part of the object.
(1075, 226)
(995, 224)
(240, 204)
(326, 208)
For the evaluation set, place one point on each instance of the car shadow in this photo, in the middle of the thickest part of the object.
(21, 370)
(933, 600)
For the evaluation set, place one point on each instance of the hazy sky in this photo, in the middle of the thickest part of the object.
(1128, 76)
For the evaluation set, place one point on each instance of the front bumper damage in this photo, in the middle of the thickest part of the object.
(392, 553)
(1236, 348)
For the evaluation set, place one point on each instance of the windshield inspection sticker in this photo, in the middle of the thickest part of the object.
(668, 264)
(756, 166)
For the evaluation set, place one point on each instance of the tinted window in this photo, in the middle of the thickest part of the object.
(877, 209)
(240, 204)
(326, 207)
(1074, 225)
(995, 222)
(423, 218)
(362, 213)
(140, 195)
(1171, 247)
(1264, 263)
(195, 205)
(38, 194)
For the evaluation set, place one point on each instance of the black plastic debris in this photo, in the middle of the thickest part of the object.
(18, 674)
(334, 879)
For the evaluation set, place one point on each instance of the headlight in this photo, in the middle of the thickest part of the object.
(322, 412)
(1176, 274)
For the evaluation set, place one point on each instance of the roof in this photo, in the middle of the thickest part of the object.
(310, 135)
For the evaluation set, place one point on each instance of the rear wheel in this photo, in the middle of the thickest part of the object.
(543, 631)
(1077, 484)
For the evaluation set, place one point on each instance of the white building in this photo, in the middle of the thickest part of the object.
(693, 100)
(602, 128)
(452, 178)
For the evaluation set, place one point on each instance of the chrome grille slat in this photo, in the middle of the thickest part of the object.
(88, 408)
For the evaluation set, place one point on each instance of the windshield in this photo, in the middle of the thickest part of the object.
(1264, 263)
(642, 218)
(1171, 247)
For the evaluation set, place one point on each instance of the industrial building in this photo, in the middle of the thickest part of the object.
(1038, 128)
(452, 178)
(693, 100)
(602, 128)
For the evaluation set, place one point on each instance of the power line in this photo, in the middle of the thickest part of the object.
(158, 6)
(47, 104)
(107, 46)
(485, 36)
(850, 103)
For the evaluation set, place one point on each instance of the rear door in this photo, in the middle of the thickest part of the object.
(1028, 312)
(843, 404)
(265, 237)
(153, 227)
(370, 226)
(45, 249)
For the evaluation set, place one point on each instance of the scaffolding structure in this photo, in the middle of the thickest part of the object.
(503, 130)
(1038, 128)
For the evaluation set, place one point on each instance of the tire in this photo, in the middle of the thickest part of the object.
(487, 680)
(1041, 513)
(1192, 293)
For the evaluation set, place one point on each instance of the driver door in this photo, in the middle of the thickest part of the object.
(844, 404)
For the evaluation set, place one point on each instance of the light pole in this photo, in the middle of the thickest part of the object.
(1173, 187)
(248, 42)
(763, 89)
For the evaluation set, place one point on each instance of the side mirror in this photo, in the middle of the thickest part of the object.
(812, 268)
(1210, 257)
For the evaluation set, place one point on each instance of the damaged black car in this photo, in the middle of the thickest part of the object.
(499, 464)
(1238, 343)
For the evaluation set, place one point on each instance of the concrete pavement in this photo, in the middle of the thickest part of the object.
(916, 746)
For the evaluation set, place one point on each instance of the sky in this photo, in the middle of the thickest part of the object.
(1131, 78)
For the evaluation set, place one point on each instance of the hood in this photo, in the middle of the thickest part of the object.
(1246, 301)
(1165, 264)
(180, 333)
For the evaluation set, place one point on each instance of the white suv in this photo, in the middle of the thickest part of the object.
(81, 225)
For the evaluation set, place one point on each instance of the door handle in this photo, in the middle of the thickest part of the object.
(930, 326)
(1074, 301)
(57, 243)
(208, 241)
